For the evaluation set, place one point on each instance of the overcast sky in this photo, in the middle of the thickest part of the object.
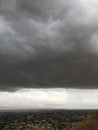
(49, 44)
(49, 98)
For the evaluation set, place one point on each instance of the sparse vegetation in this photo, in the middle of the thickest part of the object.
(90, 123)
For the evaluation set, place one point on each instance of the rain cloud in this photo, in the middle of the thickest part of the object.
(48, 44)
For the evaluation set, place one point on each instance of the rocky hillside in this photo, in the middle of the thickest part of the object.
(90, 123)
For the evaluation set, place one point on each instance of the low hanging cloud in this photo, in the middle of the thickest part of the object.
(48, 43)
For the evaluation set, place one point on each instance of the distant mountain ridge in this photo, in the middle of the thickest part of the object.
(90, 123)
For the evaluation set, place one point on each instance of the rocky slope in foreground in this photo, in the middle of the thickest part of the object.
(90, 123)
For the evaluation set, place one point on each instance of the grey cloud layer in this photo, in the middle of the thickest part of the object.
(48, 43)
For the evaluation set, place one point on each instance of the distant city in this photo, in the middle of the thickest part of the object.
(41, 119)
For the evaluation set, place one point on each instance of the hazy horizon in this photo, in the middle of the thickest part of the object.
(50, 99)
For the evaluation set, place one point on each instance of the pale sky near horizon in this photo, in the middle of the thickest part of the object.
(49, 98)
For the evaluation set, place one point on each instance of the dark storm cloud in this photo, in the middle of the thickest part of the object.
(48, 43)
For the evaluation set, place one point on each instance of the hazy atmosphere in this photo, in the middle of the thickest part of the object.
(49, 99)
(48, 54)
